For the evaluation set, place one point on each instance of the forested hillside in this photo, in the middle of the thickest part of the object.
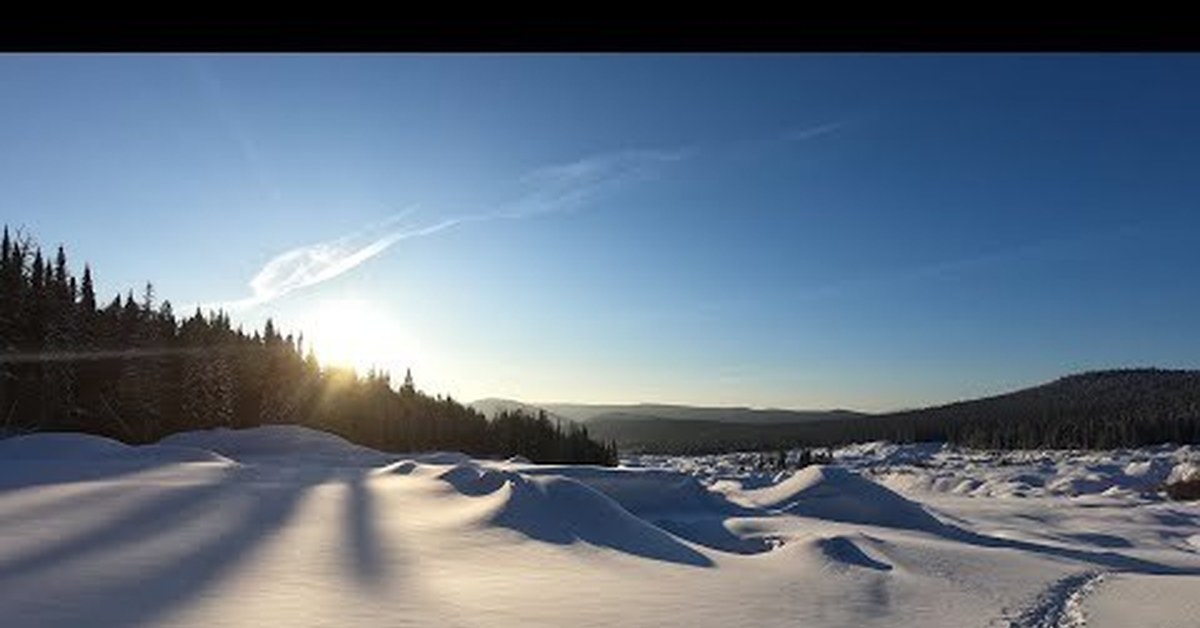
(1099, 409)
(1095, 410)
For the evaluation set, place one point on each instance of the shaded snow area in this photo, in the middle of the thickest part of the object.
(285, 526)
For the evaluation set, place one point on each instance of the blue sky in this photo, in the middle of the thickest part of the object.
(862, 231)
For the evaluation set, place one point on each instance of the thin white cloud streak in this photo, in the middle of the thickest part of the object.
(550, 189)
(809, 133)
(564, 187)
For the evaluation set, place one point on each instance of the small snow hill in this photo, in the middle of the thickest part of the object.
(562, 510)
(293, 442)
(837, 494)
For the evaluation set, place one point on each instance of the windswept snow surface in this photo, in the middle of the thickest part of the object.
(286, 526)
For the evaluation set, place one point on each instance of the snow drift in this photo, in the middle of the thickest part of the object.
(64, 447)
(561, 510)
(278, 441)
(645, 492)
(171, 538)
(833, 493)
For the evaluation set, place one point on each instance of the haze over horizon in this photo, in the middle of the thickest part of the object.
(868, 232)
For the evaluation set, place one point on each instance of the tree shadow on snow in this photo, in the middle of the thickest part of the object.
(366, 551)
(206, 532)
(16, 475)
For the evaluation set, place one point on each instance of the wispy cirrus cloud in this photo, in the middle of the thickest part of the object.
(808, 133)
(554, 188)
(563, 187)
(312, 264)
(789, 138)
(545, 190)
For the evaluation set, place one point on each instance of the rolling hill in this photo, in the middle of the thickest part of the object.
(1097, 409)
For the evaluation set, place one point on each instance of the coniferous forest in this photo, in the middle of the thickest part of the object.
(134, 370)
(1093, 410)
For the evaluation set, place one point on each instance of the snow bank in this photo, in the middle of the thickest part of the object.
(279, 441)
(68, 447)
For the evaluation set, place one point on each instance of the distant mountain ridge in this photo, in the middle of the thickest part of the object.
(586, 412)
(1094, 409)
(491, 406)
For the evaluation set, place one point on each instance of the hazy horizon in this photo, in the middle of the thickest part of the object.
(861, 232)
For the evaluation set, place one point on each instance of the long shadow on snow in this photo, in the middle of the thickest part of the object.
(171, 506)
(365, 546)
(64, 506)
(21, 474)
(257, 502)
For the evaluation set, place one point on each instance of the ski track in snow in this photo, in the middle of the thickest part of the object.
(1061, 604)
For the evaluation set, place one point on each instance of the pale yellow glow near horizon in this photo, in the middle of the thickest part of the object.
(352, 333)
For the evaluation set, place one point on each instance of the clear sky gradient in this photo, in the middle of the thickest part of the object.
(806, 231)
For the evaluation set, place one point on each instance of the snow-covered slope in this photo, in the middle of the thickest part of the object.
(286, 526)
(67, 448)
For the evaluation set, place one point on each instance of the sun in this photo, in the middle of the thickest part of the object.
(351, 333)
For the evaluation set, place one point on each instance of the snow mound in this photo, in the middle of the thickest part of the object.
(563, 511)
(839, 552)
(645, 492)
(74, 447)
(275, 441)
(834, 493)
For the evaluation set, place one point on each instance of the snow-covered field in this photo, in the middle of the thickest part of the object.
(284, 526)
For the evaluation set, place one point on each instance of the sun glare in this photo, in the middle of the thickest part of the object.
(351, 333)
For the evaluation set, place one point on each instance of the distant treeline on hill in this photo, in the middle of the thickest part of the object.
(133, 371)
(1095, 410)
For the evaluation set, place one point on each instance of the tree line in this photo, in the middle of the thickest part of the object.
(133, 370)
(1094, 410)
